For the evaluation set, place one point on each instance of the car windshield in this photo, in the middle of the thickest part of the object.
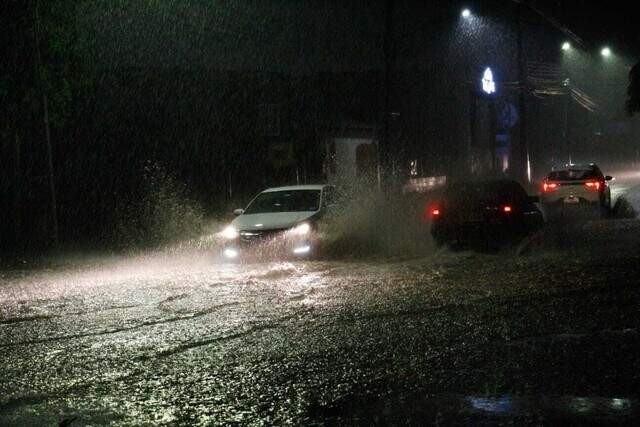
(285, 201)
(572, 174)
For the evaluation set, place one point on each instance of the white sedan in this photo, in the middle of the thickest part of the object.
(278, 221)
(576, 186)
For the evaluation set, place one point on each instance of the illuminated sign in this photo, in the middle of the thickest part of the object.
(488, 85)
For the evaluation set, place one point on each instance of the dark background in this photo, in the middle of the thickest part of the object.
(164, 113)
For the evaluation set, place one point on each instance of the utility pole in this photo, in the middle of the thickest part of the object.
(567, 104)
(18, 183)
(523, 145)
(523, 151)
(47, 127)
(384, 162)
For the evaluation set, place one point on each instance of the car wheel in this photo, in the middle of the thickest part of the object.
(605, 212)
(491, 245)
(456, 246)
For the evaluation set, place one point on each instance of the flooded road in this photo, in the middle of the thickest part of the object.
(441, 337)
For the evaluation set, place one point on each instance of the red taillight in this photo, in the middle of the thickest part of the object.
(548, 187)
(507, 209)
(594, 185)
(432, 211)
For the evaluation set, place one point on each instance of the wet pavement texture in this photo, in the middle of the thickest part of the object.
(438, 338)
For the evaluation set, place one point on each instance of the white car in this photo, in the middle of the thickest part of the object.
(278, 221)
(576, 186)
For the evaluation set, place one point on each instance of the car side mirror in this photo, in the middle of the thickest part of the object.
(534, 199)
(238, 212)
(608, 178)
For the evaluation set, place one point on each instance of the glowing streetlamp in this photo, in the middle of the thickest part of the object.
(605, 52)
(466, 13)
(566, 46)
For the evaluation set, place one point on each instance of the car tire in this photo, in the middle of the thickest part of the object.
(456, 246)
(605, 212)
(439, 242)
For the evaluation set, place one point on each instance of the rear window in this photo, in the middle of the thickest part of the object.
(485, 191)
(572, 174)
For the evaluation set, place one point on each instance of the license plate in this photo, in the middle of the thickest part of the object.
(571, 200)
(474, 217)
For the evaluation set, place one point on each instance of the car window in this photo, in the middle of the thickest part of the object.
(285, 201)
(516, 193)
(484, 191)
(572, 174)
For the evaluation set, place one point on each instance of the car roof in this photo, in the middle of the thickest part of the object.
(496, 186)
(296, 187)
(487, 182)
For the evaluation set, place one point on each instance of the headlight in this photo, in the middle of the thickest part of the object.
(301, 229)
(230, 253)
(230, 233)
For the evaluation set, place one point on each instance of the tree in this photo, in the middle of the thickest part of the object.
(38, 79)
(633, 101)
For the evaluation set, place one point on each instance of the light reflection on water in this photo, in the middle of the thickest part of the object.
(620, 404)
(496, 405)
(510, 409)
(568, 405)
(581, 405)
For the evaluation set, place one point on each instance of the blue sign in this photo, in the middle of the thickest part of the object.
(507, 115)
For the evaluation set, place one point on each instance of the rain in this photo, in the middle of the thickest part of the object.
(319, 213)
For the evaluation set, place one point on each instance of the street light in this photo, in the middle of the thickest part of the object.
(466, 13)
(566, 46)
(605, 52)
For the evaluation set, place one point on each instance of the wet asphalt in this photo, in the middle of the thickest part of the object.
(467, 338)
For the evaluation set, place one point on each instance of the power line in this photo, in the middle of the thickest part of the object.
(554, 22)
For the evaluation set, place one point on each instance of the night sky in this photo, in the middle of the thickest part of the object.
(600, 23)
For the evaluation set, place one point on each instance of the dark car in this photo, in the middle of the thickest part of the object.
(487, 212)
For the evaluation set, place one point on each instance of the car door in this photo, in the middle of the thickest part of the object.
(532, 216)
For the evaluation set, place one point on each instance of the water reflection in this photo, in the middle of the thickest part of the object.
(409, 408)
(581, 405)
(499, 405)
(559, 405)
